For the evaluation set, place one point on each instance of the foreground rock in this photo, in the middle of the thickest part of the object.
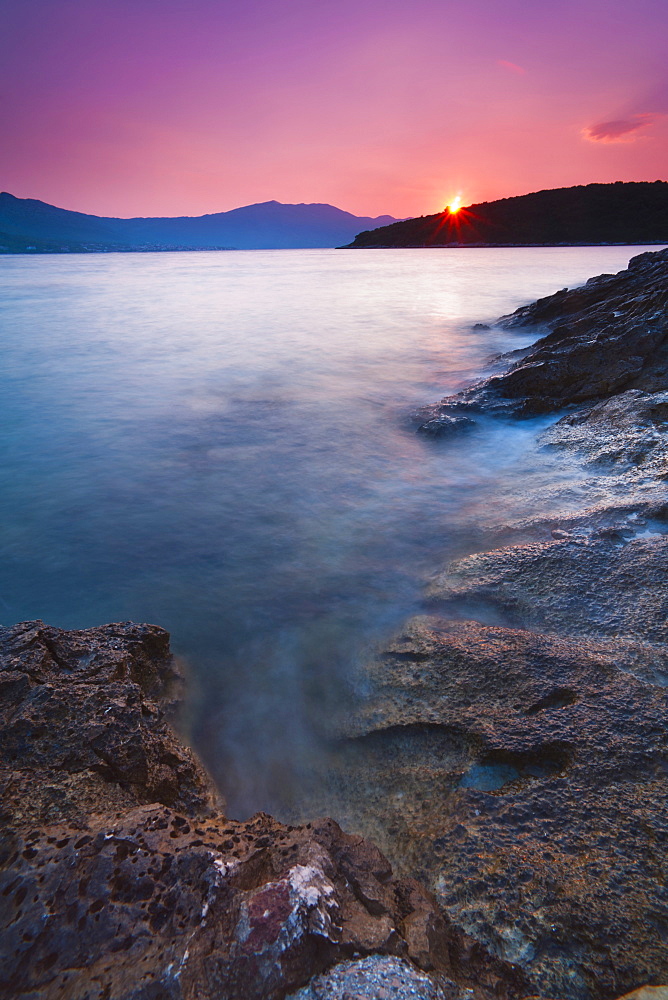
(524, 776)
(584, 585)
(374, 978)
(122, 879)
(607, 337)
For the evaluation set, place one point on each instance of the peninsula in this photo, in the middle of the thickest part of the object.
(594, 213)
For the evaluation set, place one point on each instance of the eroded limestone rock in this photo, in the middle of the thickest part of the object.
(120, 880)
(524, 776)
(600, 584)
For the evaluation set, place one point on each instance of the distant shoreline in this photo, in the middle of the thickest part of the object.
(504, 246)
(435, 246)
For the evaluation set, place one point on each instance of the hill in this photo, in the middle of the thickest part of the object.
(595, 213)
(30, 226)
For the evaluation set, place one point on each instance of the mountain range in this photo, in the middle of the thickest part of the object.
(30, 226)
(623, 212)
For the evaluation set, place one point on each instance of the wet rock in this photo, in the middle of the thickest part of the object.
(629, 431)
(446, 425)
(609, 336)
(525, 777)
(580, 585)
(119, 878)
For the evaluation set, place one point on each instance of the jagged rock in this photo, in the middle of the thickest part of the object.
(609, 336)
(629, 430)
(83, 726)
(154, 904)
(121, 881)
(525, 777)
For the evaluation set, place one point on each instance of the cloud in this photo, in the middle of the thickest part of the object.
(620, 130)
(511, 67)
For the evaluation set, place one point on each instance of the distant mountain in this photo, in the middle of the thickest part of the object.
(28, 226)
(594, 213)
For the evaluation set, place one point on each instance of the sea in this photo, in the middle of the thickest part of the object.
(221, 443)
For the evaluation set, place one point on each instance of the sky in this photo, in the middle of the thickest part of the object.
(185, 107)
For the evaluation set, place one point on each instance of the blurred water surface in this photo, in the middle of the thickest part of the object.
(217, 443)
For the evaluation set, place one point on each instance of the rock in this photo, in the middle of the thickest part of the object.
(379, 978)
(122, 880)
(629, 431)
(607, 337)
(445, 426)
(521, 768)
(83, 725)
(580, 585)
(154, 904)
(525, 777)
(648, 993)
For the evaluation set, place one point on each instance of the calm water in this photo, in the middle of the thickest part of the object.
(217, 443)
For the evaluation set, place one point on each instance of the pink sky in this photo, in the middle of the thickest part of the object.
(163, 107)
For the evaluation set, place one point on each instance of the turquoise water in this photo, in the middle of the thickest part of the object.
(218, 443)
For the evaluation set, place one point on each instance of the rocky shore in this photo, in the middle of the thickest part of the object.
(512, 749)
(123, 878)
(514, 737)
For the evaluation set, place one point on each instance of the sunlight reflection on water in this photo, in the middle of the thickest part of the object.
(216, 443)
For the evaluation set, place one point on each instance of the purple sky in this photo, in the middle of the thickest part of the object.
(168, 107)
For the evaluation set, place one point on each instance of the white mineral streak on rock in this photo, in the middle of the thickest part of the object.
(314, 895)
(312, 904)
(223, 868)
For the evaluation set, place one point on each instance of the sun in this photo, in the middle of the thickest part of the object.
(454, 205)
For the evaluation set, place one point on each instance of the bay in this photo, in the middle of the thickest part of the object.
(219, 443)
